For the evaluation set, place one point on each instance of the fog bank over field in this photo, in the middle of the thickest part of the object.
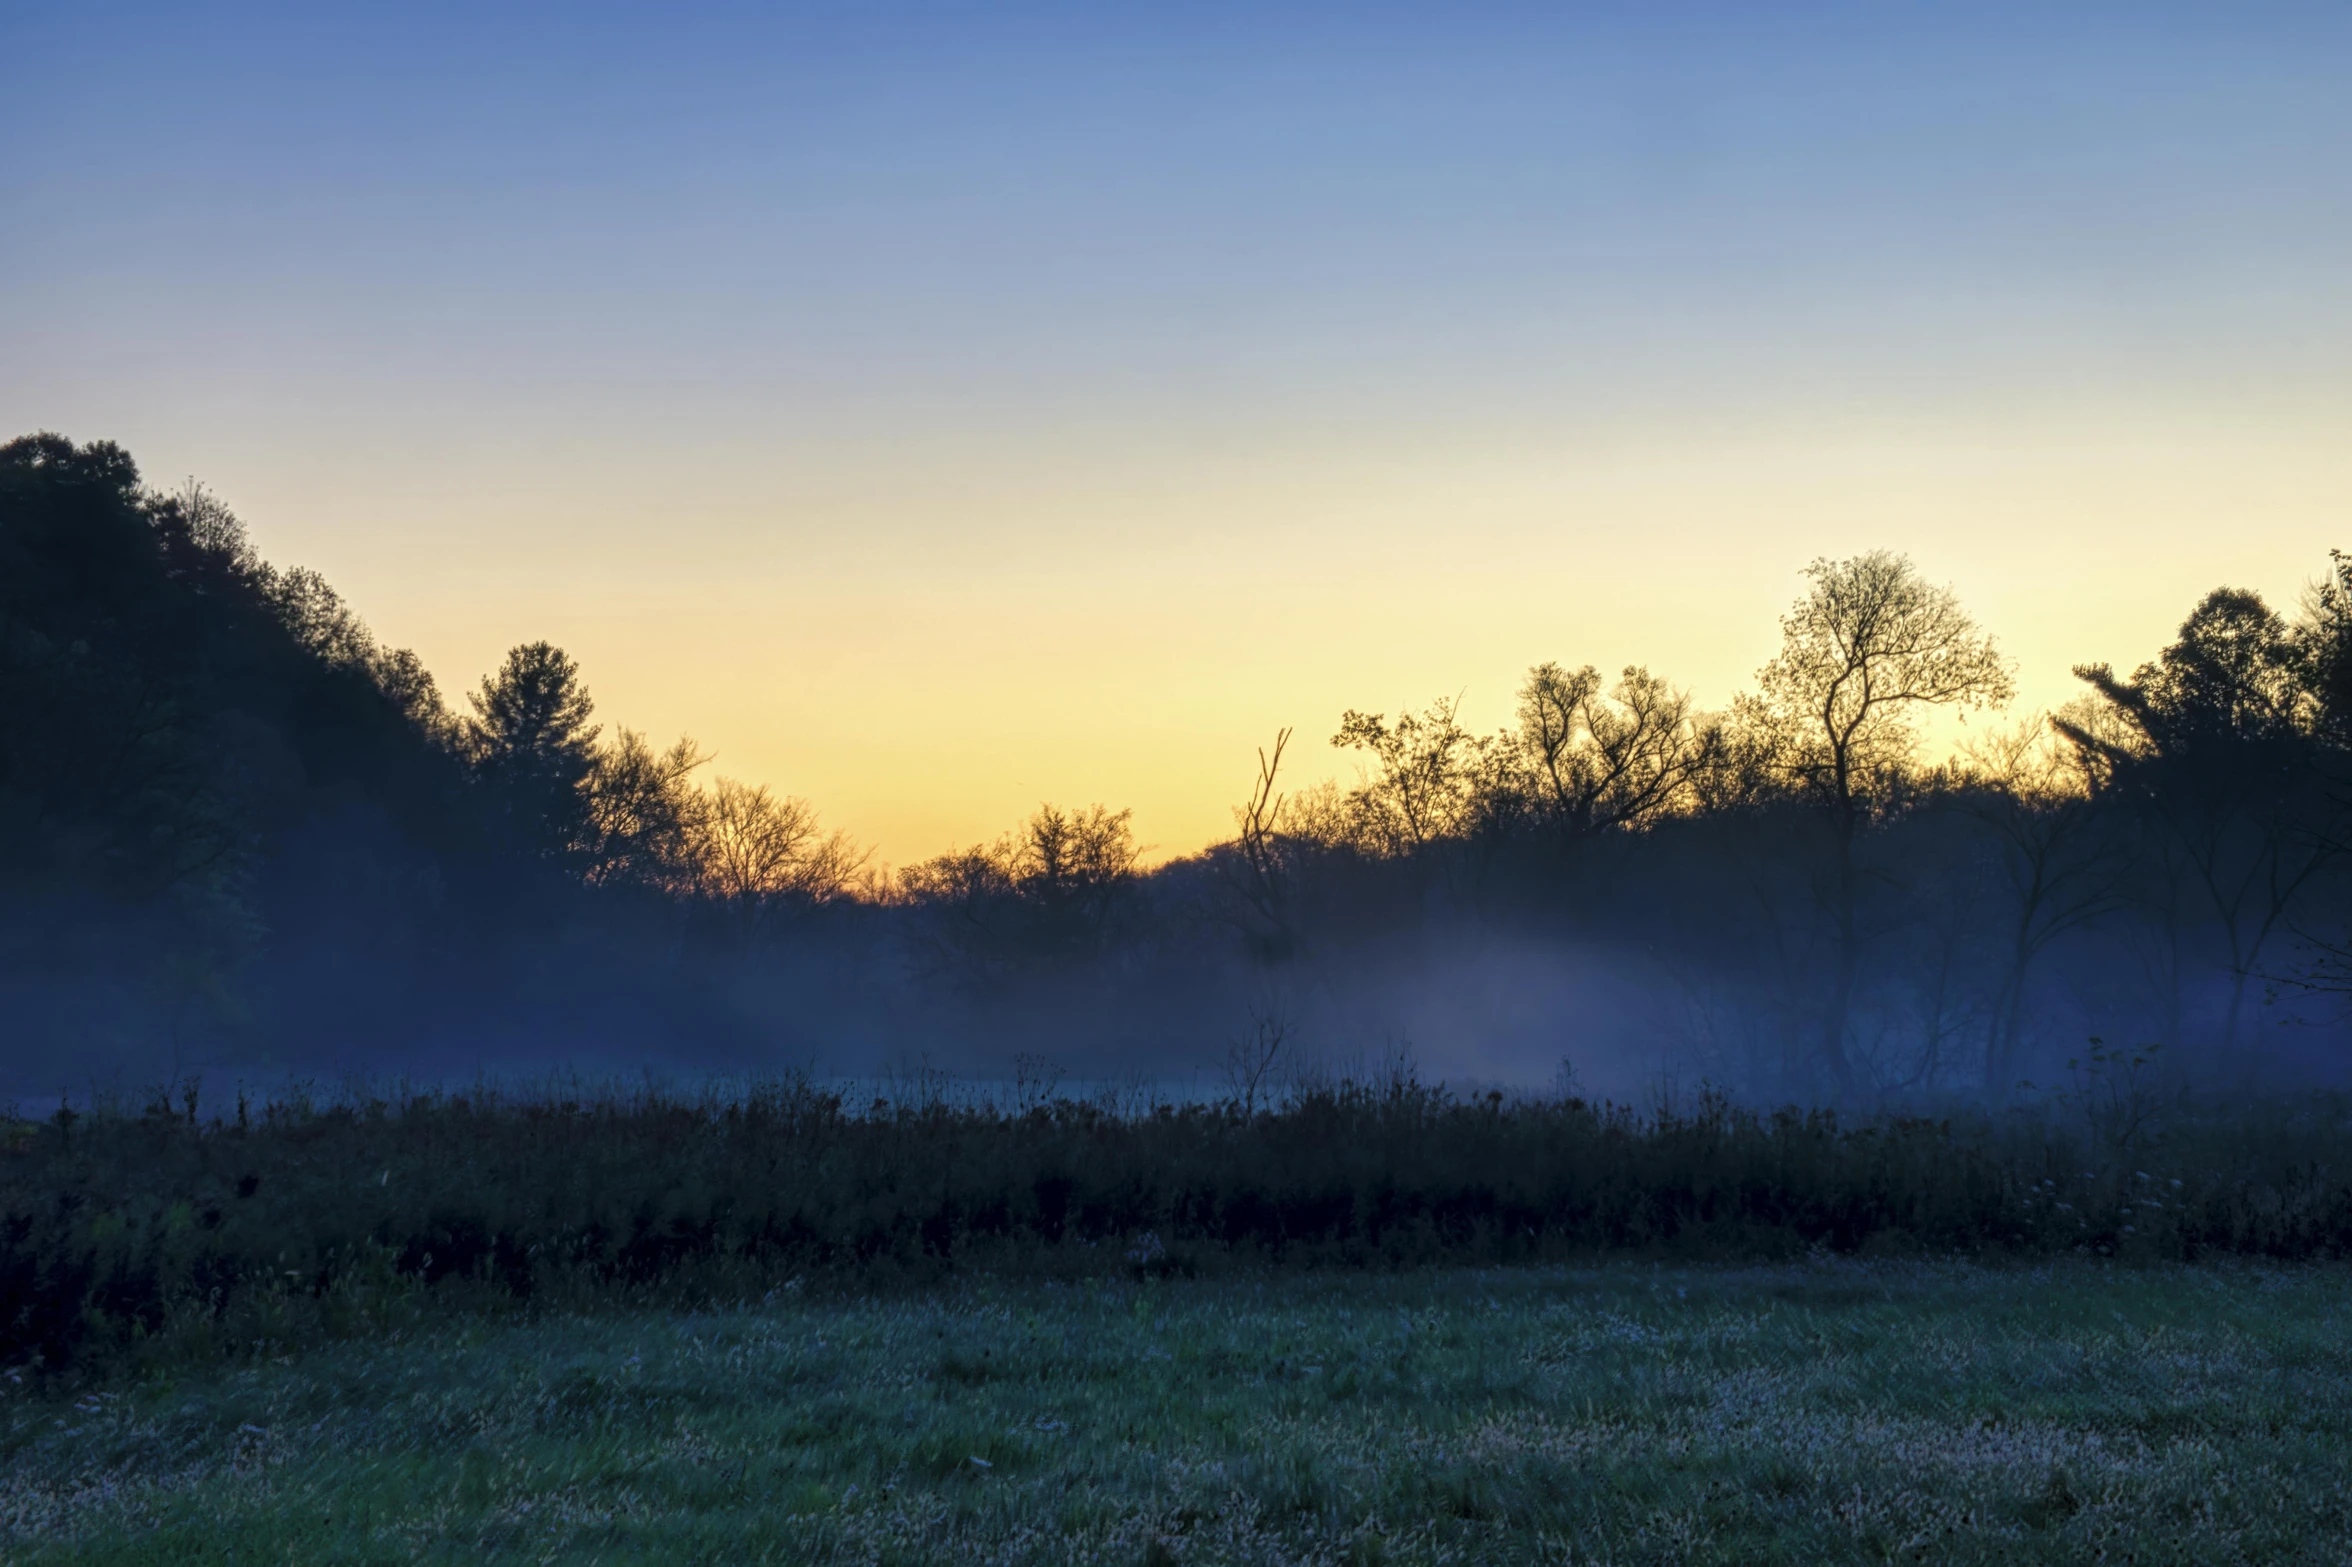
(241, 839)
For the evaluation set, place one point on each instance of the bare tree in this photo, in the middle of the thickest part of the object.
(1605, 760)
(966, 885)
(2065, 867)
(755, 851)
(1316, 817)
(1055, 886)
(1256, 869)
(641, 814)
(201, 522)
(1074, 865)
(1252, 1059)
(1868, 646)
(1425, 788)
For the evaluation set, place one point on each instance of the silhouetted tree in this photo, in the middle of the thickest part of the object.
(641, 816)
(2212, 746)
(203, 760)
(1054, 889)
(108, 779)
(1073, 867)
(2322, 651)
(2065, 864)
(534, 750)
(1259, 869)
(414, 694)
(1594, 761)
(1870, 644)
(755, 852)
(217, 787)
(1425, 786)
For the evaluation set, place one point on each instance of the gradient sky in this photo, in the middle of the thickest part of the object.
(938, 410)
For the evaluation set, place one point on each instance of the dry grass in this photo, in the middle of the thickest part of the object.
(166, 1238)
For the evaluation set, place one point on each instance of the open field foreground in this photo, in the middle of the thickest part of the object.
(1841, 1411)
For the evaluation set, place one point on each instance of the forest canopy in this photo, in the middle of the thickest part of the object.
(238, 833)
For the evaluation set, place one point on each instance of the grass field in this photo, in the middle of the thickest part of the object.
(1842, 1411)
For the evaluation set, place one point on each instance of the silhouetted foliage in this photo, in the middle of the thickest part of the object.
(235, 829)
(174, 717)
(1053, 892)
(1590, 762)
(533, 749)
(166, 1234)
(2214, 750)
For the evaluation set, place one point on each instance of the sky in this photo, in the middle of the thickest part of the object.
(940, 410)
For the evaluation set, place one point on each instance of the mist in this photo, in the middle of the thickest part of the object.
(246, 842)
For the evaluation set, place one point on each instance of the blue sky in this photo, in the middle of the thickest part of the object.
(936, 410)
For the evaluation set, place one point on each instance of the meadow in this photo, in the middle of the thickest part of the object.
(1815, 1411)
(1373, 1321)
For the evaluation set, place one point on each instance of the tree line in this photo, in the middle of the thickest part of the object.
(227, 806)
(216, 786)
(1847, 918)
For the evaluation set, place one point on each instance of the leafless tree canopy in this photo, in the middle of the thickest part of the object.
(1420, 786)
(1604, 760)
(1871, 644)
(1058, 886)
(755, 851)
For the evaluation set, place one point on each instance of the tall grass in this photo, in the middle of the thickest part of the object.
(158, 1232)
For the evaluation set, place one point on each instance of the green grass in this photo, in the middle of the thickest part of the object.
(1840, 1411)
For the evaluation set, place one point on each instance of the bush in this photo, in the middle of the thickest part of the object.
(164, 1233)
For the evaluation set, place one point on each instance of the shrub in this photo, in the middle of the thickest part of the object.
(166, 1233)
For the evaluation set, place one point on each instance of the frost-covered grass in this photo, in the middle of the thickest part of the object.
(1840, 1411)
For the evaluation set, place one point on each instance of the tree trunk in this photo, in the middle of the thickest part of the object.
(1849, 964)
(2000, 1079)
(2249, 1062)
